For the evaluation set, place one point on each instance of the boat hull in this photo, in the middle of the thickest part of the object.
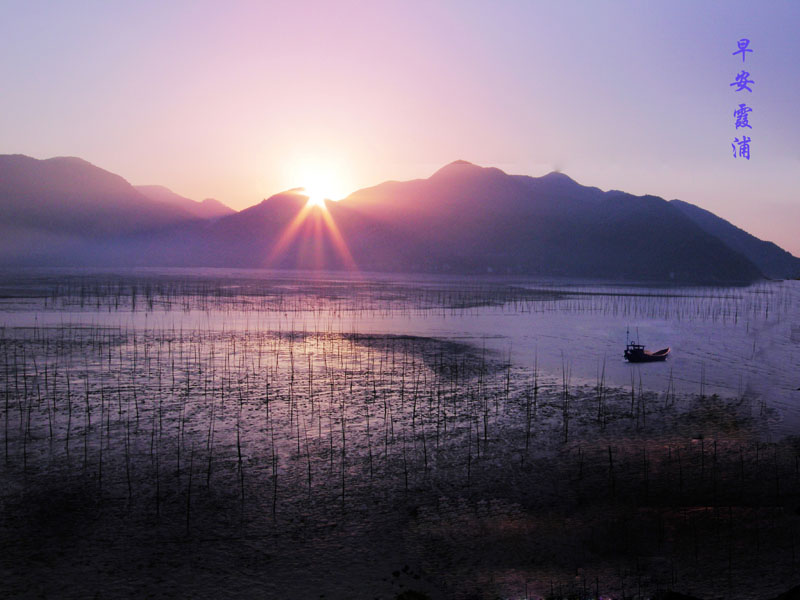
(645, 356)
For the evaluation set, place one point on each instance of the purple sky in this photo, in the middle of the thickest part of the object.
(241, 100)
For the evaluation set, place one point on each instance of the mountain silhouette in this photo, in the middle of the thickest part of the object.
(209, 208)
(767, 256)
(472, 219)
(249, 239)
(56, 210)
(463, 219)
(70, 195)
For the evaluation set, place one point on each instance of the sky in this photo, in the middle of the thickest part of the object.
(241, 100)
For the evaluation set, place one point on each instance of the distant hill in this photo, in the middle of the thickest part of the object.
(207, 209)
(463, 219)
(67, 195)
(54, 209)
(249, 239)
(772, 260)
(466, 218)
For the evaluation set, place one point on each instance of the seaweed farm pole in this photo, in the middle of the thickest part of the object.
(330, 428)
(344, 447)
(47, 407)
(181, 426)
(210, 441)
(47, 403)
(369, 441)
(5, 438)
(671, 388)
(274, 484)
(405, 462)
(30, 402)
(25, 451)
(119, 385)
(601, 380)
(329, 375)
(239, 448)
(69, 414)
(55, 383)
(128, 454)
(88, 425)
(386, 417)
(535, 382)
(565, 377)
(308, 457)
(424, 453)
(310, 386)
(189, 491)
(16, 387)
(100, 455)
(469, 450)
(508, 382)
(158, 489)
(528, 410)
(274, 457)
(485, 425)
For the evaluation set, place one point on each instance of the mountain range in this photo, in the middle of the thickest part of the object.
(209, 208)
(463, 219)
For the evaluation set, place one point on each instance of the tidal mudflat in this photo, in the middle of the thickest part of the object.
(251, 434)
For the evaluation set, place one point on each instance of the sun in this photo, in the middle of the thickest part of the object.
(316, 198)
(321, 184)
(314, 226)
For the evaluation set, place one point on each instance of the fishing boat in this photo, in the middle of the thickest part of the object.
(636, 353)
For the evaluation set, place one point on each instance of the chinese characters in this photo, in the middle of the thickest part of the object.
(744, 147)
(743, 48)
(741, 116)
(743, 81)
(741, 148)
